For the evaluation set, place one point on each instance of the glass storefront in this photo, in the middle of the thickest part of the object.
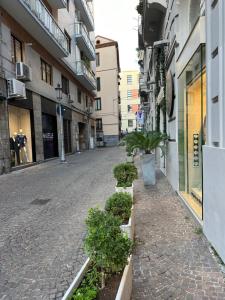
(192, 130)
(20, 136)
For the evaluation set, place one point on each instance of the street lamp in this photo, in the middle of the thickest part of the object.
(59, 98)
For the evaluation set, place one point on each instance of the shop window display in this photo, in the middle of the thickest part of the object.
(20, 136)
(192, 130)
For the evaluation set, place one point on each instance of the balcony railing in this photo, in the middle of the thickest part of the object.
(85, 13)
(43, 15)
(80, 31)
(82, 70)
(88, 11)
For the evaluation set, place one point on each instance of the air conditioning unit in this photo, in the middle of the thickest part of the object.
(23, 72)
(16, 89)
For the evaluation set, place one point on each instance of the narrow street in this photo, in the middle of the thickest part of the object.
(42, 213)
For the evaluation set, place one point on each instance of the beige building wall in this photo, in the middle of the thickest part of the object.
(108, 73)
(129, 93)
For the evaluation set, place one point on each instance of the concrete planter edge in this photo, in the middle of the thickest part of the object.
(125, 287)
(77, 280)
(129, 190)
(129, 228)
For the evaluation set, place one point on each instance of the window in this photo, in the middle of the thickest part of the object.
(129, 79)
(68, 41)
(128, 108)
(65, 85)
(68, 5)
(79, 96)
(86, 101)
(98, 84)
(129, 94)
(130, 123)
(97, 60)
(98, 124)
(17, 50)
(98, 104)
(46, 72)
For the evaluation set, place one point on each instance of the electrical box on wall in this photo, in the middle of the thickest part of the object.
(16, 89)
(23, 72)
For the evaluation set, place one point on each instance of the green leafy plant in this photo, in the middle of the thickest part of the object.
(146, 141)
(119, 204)
(125, 174)
(105, 243)
(89, 287)
(129, 150)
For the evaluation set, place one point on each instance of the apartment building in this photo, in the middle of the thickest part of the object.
(47, 65)
(181, 50)
(107, 111)
(130, 101)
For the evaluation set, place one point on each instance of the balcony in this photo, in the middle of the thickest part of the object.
(57, 3)
(85, 13)
(85, 77)
(83, 41)
(35, 18)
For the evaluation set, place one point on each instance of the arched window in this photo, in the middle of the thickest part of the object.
(194, 12)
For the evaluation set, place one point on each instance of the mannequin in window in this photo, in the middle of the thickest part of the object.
(14, 149)
(22, 141)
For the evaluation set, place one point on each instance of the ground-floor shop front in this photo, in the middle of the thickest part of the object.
(33, 131)
(192, 130)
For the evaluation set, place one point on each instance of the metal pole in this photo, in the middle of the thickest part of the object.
(61, 134)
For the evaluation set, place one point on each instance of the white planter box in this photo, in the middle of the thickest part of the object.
(148, 168)
(130, 159)
(129, 190)
(129, 228)
(125, 287)
(77, 280)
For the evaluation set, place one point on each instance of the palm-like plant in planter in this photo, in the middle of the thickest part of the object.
(146, 142)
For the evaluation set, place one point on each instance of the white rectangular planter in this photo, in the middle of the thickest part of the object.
(129, 190)
(125, 287)
(77, 280)
(129, 228)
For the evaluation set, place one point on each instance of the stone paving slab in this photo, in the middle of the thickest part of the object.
(42, 222)
(172, 258)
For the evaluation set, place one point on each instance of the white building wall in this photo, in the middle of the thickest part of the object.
(214, 152)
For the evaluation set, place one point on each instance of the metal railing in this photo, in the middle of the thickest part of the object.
(88, 11)
(38, 8)
(81, 69)
(80, 30)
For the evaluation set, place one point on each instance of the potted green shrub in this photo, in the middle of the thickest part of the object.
(121, 205)
(147, 142)
(109, 252)
(130, 157)
(125, 174)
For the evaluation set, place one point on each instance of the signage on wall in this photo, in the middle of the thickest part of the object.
(195, 150)
(169, 94)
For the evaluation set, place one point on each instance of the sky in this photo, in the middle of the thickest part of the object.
(118, 20)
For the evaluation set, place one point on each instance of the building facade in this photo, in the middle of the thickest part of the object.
(130, 101)
(45, 45)
(107, 112)
(181, 50)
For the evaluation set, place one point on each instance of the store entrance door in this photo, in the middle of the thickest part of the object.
(82, 142)
(196, 132)
(50, 139)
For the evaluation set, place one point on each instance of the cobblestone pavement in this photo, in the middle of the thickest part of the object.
(42, 213)
(172, 259)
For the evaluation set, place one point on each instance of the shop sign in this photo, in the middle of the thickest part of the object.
(169, 94)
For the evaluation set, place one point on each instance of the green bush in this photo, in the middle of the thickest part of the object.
(105, 243)
(125, 174)
(89, 287)
(119, 204)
